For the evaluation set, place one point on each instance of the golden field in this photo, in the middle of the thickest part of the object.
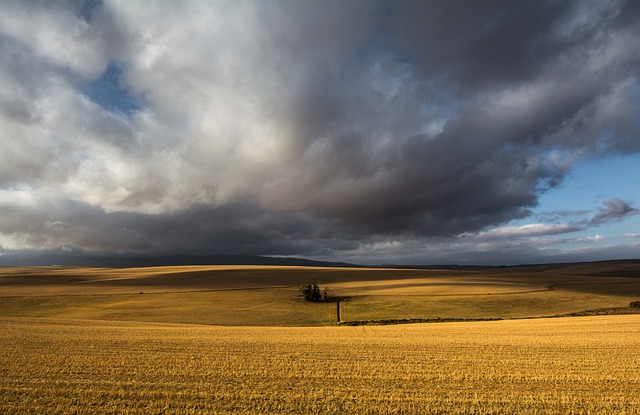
(582, 365)
(222, 340)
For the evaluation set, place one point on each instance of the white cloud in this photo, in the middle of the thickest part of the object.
(590, 239)
(524, 231)
(56, 34)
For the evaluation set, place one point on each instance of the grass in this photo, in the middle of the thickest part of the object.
(229, 308)
(535, 304)
(583, 365)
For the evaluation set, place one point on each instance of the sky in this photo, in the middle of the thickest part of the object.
(377, 132)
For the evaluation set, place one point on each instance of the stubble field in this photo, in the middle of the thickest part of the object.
(588, 365)
(76, 341)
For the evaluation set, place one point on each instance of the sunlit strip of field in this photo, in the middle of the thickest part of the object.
(587, 365)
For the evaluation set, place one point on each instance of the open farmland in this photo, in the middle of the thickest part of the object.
(205, 340)
(585, 365)
(268, 296)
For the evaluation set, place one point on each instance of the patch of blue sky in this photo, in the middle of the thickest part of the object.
(110, 92)
(590, 183)
(583, 192)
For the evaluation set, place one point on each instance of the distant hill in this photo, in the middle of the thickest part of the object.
(152, 261)
(584, 268)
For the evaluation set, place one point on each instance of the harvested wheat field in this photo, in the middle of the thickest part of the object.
(585, 365)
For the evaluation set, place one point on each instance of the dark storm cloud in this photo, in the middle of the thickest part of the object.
(303, 127)
(227, 229)
(481, 44)
(530, 95)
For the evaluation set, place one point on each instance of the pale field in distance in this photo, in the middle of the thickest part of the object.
(580, 365)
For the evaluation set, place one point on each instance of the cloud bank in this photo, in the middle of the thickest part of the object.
(303, 128)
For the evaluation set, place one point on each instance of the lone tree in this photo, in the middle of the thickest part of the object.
(311, 292)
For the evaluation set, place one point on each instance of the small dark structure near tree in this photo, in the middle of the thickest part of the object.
(634, 304)
(311, 292)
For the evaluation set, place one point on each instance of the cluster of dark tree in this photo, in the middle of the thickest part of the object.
(634, 304)
(311, 292)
